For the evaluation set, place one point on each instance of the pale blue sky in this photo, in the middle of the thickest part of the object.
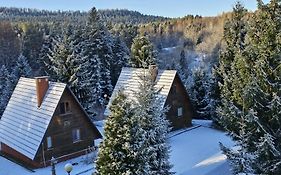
(170, 8)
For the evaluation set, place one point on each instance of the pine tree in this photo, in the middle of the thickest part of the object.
(153, 121)
(22, 68)
(200, 95)
(135, 135)
(142, 52)
(259, 97)
(96, 61)
(4, 74)
(231, 86)
(183, 69)
(121, 150)
(10, 82)
(120, 58)
(62, 59)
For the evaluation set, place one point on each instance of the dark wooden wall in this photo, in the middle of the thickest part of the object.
(18, 157)
(178, 97)
(62, 134)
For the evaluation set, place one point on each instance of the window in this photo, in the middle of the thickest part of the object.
(64, 107)
(180, 112)
(76, 135)
(66, 123)
(49, 142)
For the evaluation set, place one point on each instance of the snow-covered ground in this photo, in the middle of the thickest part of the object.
(194, 151)
(197, 152)
(9, 168)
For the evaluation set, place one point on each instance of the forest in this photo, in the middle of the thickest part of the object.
(230, 65)
(51, 43)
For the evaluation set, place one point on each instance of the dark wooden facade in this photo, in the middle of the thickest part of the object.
(61, 131)
(181, 112)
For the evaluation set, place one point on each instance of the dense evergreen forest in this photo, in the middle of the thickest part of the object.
(55, 42)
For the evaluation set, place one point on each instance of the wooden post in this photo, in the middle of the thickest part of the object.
(53, 163)
(43, 155)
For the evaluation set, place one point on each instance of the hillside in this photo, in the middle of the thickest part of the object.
(113, 16)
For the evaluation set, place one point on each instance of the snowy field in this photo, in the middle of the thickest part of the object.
(194, 151)
(197, 152)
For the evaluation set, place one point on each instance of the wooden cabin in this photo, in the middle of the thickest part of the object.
(42, 120)
(172, 92)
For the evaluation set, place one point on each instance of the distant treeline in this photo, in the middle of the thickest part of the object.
(109, 16)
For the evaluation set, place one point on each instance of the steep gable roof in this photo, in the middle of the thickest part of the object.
(23, 124)
(129, 81)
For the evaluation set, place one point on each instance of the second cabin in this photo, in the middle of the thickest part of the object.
(172, 91)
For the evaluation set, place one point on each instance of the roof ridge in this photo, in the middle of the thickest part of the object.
(31, 79)
(128, 68)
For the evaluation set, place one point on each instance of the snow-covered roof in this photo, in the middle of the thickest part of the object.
(129, 81)
(23, 124)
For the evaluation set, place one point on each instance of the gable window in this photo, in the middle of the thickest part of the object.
(64, 107)
(49, 142)
(180, 112)
(76, 135)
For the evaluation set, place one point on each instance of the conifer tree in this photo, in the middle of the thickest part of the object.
(259, 99)
(8, 80)
(4, 74)
(22, 68)
(183, 69)
(142, 52)
(135, 135)
(96, 59)
(231, 58)
(200, 95)
(120, 152)
(151, 116)
(62, 60)
(121, 58)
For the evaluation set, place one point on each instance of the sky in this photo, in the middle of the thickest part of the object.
(167, 8)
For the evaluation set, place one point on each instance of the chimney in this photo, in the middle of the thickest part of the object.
(42, 85)
(153, 70)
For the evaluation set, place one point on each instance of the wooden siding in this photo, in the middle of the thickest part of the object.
(172, 93)
(60, 130)
(178, 98)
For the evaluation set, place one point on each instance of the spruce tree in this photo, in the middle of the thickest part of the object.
(200, 94)
(120, 57)
(121, 150)
(142, 52)
(151, 116)
(4, 75)
(96, 59)
(8, 80)
(228, 71)
(22, 67)
(259, 97)
(62, 59)
(135, 134)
